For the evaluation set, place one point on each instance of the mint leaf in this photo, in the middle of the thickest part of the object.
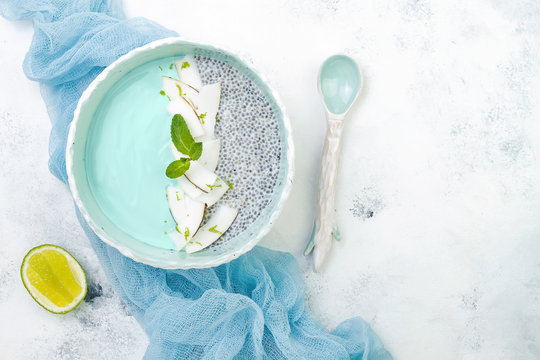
(195, 150)
(180, 135)
(182, 139)
(177, 168)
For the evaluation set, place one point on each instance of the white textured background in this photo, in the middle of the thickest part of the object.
(439, 192)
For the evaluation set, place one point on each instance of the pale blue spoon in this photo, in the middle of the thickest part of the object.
(339, 83)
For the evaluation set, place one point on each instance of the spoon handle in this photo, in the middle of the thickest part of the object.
(325, 228)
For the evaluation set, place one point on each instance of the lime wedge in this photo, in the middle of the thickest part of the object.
(53, 278)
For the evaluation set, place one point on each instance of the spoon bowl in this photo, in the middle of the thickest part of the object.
(339, 84)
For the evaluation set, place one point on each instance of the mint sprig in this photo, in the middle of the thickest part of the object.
(184, 143)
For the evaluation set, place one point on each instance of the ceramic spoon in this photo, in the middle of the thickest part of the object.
(339, 84)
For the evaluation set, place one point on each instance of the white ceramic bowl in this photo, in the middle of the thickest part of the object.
(254, 227)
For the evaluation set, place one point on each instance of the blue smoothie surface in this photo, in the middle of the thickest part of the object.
(127, 152)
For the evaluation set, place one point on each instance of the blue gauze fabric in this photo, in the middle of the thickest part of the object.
(251, 308)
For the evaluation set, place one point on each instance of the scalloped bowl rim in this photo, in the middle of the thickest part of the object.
(126, 251)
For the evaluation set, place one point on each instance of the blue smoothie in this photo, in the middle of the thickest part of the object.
(127, 152)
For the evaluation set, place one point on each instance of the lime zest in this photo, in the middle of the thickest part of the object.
(214, 230)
